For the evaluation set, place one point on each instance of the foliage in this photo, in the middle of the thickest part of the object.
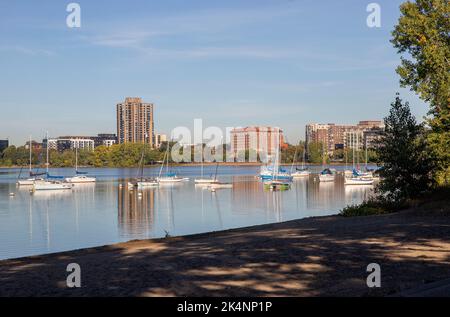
(119, 155)
(373, 206)
(346, 155)
(316, 152)
(423, 33)
(407, 165)
(293, 153)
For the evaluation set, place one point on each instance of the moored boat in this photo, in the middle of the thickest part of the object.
(358, 181)
(326, 176)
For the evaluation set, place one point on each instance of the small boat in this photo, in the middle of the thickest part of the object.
(359, 178)
(203, 180)
(268, 173)
(300, 173)
(358, 181)
(169, 177)
(51, 182)
(147, 182)
(81, 179)
(33, 176)
(326, 176)
(277, 185)
(80, 176)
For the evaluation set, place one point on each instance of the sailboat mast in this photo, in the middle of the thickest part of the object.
(293, 160)
(29, 145)
(365, 145)
(47, 163)
(202, 162)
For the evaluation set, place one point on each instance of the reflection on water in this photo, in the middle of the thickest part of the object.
(136, 210)
(109, 212)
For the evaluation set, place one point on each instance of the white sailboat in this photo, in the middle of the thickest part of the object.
(358, 181)
(358, 177)
(28, 181)
(168, 177)
(80, 176)
(203, 180)
(218, 185)
(277, 183)
(327, 175)
(49, 184)
(299, 173)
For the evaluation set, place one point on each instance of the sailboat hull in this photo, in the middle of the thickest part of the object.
(358, 181)
(147, 184)
(300, 174)
(26, 182)
(81, 179)
(326, 178)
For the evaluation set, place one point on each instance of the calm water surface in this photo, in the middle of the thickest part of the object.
(105, 213)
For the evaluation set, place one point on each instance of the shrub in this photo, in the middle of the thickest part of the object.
(373, 206)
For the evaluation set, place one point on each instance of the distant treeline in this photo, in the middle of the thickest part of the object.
(129, 155)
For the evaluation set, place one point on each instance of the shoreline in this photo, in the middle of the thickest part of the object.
(238, 164)
(317, 256)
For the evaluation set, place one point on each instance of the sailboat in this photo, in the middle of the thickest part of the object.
(51, 182)
(327, 175)
(358, 177)
(218, 185)
(275, 172)
(143, 182)
(299, 173)
(203, 180)
(80, 176)
(33, 176)
(169, 177)
(277, 183)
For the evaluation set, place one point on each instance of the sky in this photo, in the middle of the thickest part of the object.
(231, 63)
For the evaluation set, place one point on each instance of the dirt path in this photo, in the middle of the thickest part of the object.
(312, 257)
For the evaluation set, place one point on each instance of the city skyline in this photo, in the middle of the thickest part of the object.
(231, 64)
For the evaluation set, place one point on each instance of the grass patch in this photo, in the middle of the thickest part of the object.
(373, 206)
(437, 200)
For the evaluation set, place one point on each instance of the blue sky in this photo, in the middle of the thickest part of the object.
(232, 63)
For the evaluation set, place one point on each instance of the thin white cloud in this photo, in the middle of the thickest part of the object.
(141, 36)
(26, 50)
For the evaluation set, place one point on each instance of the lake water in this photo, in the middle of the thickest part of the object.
(105, 213)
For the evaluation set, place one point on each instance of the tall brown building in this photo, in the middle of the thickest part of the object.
(135, 121)
(338, 136)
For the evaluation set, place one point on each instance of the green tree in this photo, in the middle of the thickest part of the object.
(423, 33)
(407, 166)
(315, 152)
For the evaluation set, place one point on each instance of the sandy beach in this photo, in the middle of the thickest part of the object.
(324, 256)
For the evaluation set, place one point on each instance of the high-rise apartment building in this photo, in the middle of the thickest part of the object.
(159, 139)
(135, 121)
(262, 140)
(339, 136)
